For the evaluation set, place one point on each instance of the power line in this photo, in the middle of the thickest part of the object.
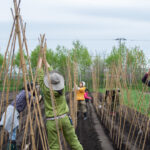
(120, 40)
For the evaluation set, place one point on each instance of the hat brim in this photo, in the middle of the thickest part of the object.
(55, 87)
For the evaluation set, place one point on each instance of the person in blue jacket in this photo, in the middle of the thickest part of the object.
(10, 118)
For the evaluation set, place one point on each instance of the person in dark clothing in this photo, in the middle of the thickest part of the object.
(112, 100)
(147, 82)
(145, 77)
(10, 118)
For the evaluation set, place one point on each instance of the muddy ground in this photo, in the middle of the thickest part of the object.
(92, 138)
(86, 133)
(125, 121)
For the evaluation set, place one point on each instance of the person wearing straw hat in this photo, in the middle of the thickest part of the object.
(80, 91)
(62, 110)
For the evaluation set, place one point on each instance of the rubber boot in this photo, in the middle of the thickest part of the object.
(11, 145)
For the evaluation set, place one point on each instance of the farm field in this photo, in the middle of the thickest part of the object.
(60, 73)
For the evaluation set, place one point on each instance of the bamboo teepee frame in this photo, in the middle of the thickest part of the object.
(34, 118)
(32, 126)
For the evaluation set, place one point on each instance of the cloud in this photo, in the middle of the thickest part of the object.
(86, 20)
(59, 10)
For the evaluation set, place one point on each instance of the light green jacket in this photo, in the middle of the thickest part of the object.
(60, 100)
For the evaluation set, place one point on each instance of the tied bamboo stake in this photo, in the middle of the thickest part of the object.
(40, 115)
(23, 69)
(121, 134)
(113, 118)
(117, 96)
(128, 97)
(137, 124)
(35, 111)
(75, 66)
(103, 101)
(121, 129)
(7, 67)
(34, 88)
(9, 41)
(6, 80)
(135, 118)
(52, 97)
(70, 90)
(94, 85)
(19, 69)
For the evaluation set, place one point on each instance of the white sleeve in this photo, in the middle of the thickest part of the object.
(76, 88)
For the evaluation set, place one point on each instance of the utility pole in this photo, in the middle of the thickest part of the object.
(120, 40)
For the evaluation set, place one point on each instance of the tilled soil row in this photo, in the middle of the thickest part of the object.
(124, 130)
(91, 134)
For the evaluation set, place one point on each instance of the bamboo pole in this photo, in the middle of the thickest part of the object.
(40, 121)
(23, 69)
(52, 98)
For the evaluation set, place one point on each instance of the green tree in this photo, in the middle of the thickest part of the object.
(1, 59)
(35, 56)
(17, 59)
(122, 55)
(136, 58)
(136, 62)
(117, 56)
(99, 63)
(82, 56)
(61, 55)
(133, 60)
(50, 56)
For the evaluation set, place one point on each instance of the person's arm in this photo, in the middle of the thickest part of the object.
(86, 96)
(145, 77)
(50, 68)
(40, 73)
(40, 98)
(39, 65)
(75, 87)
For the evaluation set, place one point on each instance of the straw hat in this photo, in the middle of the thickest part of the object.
(56, 80)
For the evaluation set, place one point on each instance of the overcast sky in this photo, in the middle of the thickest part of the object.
(95, 23)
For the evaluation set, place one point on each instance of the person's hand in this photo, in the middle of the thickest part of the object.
(40, 98)
(75, 85)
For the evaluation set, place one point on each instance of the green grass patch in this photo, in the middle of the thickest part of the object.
(137, 100)
(134, 99)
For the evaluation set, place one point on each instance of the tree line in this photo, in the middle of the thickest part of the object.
(133, 59)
